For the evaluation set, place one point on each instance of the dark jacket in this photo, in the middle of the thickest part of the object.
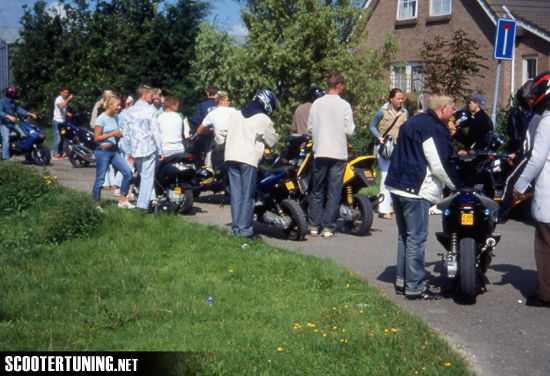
(480, 127)
(8, 107)
(422, 159)
(203, 110)
(517, 127)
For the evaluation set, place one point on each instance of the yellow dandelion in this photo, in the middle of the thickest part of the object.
(324, 334)
(386, 330)
(345, 306)
(393, 330)
(447, 364)
(371, 334)
(46, 177)
(55, 177)
(49, 182)
(351, 274)
(416, 372)
(315, 330)
(360, 311)
(341, 340)
(280, 349)
(312, 325)
(269, 360)
(423, 368)
(385, 334)
(346, 341)
(343, 330)
(230, 271)
(334, 328)
(348, 285)
(21, 247)
(423, 347)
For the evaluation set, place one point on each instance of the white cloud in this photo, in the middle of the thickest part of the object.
(238, 30)
(56, 8)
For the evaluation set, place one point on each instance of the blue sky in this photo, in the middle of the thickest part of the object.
(225, 12)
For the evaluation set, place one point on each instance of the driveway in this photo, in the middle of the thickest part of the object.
(499, 335)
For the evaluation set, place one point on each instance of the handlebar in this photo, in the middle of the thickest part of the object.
(472, 154)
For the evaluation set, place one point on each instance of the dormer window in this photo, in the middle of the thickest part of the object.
(407, 9)
(440, 8)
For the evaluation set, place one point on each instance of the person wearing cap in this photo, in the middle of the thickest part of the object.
(479, 128)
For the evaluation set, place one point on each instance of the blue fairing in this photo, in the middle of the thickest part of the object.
(34, 135)
(269, 181)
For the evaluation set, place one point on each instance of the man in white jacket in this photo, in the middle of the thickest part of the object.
(330, 123)
(538, 168)
(245, 136)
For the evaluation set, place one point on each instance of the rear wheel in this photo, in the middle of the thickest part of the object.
(363, 223)
(75, 160)
(298, 225)
(185, 206)
(467, 271)
(41, 155)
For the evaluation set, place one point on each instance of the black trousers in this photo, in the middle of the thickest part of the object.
(508, 194)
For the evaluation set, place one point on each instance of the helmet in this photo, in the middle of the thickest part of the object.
(161, 207)
(539, 92)
(462, 118)
(314, 92)
(11, 92)
(268, 100)
(520, 98)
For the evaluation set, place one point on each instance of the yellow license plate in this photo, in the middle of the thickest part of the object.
(468, 219)
(178, 190)
(290, 185)
(368, 174)
(63, 131)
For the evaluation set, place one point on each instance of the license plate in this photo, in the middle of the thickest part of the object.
(290, 185)
(178, 190)
(63, 131)
(368, 174)
(468, 219)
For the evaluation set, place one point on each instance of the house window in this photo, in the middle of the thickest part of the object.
(408, 77)
(406, 9)
(440, 7)
(530, 67)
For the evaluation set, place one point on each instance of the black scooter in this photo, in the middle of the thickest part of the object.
(79, 144)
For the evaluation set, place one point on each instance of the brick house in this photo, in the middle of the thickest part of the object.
(415, 21)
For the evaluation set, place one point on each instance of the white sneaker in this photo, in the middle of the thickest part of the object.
(99, 208)
(126, 205)
(435, 211)
(117, 192)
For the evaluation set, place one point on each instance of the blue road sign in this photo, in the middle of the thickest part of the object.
(505, 39)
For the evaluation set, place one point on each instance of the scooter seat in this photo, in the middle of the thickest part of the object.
(282, 169)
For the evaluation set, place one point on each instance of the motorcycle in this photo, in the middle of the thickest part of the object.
(469, 220)
(356, 210)
(31, 145)
(79, 144)
(173, 181)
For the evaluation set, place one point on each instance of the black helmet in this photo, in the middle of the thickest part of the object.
(313, 93)
(268, 100)
(462, 118)
(11, 92)
(520, 98)
(539, 92)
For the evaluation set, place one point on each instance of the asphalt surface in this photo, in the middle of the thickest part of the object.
(499, 335)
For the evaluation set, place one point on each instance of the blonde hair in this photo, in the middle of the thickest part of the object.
(438, 100)
(106, 96)
(142, 90)
(219, 96)
(157, 91)
(111, 100)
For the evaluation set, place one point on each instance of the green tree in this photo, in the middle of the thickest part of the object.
(449, 65)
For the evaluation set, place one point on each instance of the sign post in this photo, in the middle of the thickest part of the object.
(505, 42)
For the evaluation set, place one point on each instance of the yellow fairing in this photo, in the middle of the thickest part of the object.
(358, 162)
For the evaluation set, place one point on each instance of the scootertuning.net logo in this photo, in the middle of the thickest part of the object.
(73, 363)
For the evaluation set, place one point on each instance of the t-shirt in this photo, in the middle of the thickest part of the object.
(217, 118)
(172, 127)
(59, 114)
(301, 116)
(109, 124)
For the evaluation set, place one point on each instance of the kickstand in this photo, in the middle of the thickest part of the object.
(480, 276)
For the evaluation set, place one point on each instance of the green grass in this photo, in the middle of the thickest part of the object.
(140, 282)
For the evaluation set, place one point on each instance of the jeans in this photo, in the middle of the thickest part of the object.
(385, 206)
(412, 216)
(103, 159)
(5, 131)
(124, 153)
(57, 144)
(146, 167)
(328, 181)
(242, 180)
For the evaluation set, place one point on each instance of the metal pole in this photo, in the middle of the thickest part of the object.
(495, 100)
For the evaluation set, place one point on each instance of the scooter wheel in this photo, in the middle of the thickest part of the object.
(187, 204)
(41, 155)
(298, 227)
(467, 270)
(76, 161)
(362, 224)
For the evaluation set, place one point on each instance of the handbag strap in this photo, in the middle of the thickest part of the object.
(392, 124)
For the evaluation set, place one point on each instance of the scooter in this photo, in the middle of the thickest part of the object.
(173, 181)
(469, 220)
(79, 145)
(31, 145)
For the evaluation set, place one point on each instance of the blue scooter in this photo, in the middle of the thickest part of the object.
(79, 144)
(31, 145)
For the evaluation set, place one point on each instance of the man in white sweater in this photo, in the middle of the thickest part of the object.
(330, 124)
(245, 137)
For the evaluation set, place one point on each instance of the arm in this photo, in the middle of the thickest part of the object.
(310, 119)
(203, 130)
(94, 115)
(373, 127)
(186, 129)
(270, 136)
(438, 151)
(155, 129)
(539, 155)
(98, 136)
(221, 135)
(348, 121)
(64, 104)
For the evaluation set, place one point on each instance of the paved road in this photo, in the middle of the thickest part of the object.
(499, 335)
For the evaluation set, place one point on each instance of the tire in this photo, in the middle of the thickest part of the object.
(66, 148)
(185, 206)
(41, 155)
(75, 160)
(298, 226)
(467, 270)
(363, 224)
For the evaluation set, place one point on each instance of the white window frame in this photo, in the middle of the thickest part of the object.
(407, 69)
(400, 2)
(525, 62)
(432, 14)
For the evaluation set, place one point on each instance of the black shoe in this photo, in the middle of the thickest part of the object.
(400, 290)
(534, 301)
(424, 295)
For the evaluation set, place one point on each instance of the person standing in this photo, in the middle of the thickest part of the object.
(301, 116)
(203, 141)
(538, 168)
(158, 103)
(421, 163)
(246, 134)
(106, 153)
(480, 126)
(60, 116)
(8, 108)
(125, 103)
(173, 127)
(99, 106)
(143, 143)
(389, 119)
(330, 123)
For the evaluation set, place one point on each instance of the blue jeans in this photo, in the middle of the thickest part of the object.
(57, 149)
(5, 132)
(104, 158)
(328, 181)
(124, 153)
(147, 168)
(242, 180)
(412, 216)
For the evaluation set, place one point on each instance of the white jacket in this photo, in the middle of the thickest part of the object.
(539, 168)
(245, 139)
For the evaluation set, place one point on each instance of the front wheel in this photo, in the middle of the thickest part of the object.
(363, 223)
(75, 160)
(185, 206)
(467, 271)
(298, 225)
(41, 155)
